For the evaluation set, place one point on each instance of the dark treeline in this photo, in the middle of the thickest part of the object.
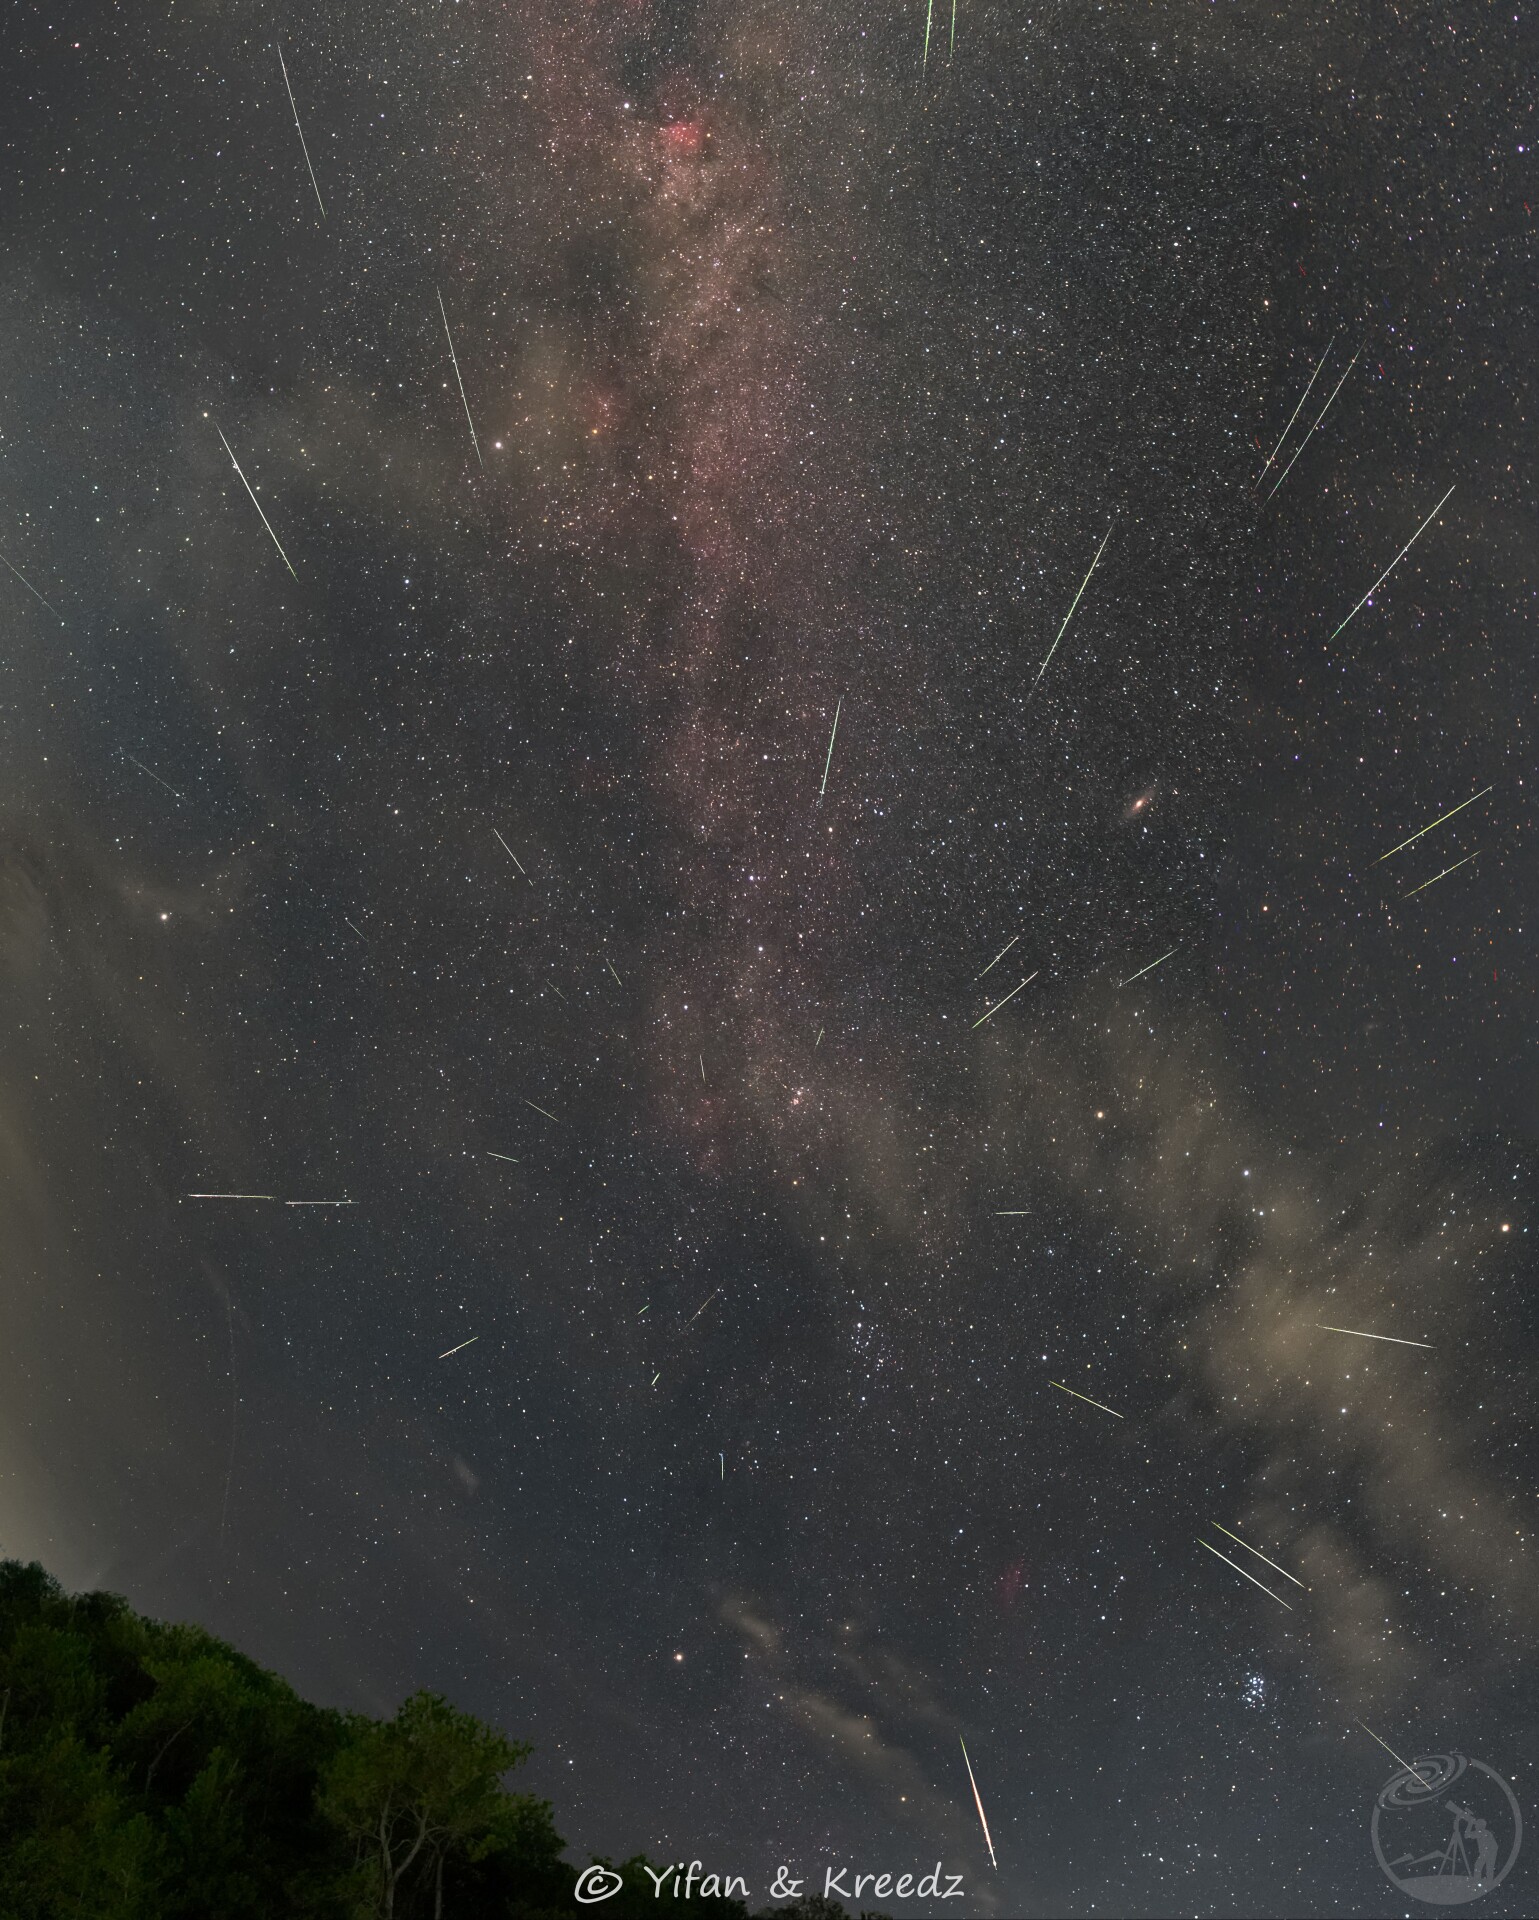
(150, 1772)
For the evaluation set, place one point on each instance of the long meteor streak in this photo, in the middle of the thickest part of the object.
(997, 958)
(1087, 1399)
(232, 1196)
(1396, 561)
(172, 790)
(1296, 411)
(1261, 1556)
(461, 1347)
(1444, 874)
(301, 132)
(545, 1111)
(1358, 1333)
(838, 709)
(1070, 614)
(454, 360)
(1143, 970)
(1395, 1756)
(31, 589)
(1320, 417)
(999, 1003)
(928, 21)
(1247, 1576)
(254, 500)
(978, 1801)
(502, 1156)
(1436, 823)
(510, 853)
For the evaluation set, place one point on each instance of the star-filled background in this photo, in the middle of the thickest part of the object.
(465, 845)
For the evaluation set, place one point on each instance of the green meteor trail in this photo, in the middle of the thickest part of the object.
(1070, 614)
(1087, 1399)
(1436, 823)
(1444, 874)
(1396, 561)
(928, 19)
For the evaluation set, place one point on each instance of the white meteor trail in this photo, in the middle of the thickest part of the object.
(544, 1110)
(999, 1003)
(978, 1799)
(454, 358)
(1143, 970)
(232, 1196)
(998, 957)
(502, 1156)
(838, 709)
(1247, 1576)
(1261, 1556)
(254, 500)
(1070, 614)
(1296, 412)
(320, 1203)
(1395, 1756)
(1357, 1333)
(1396, 561)
(176, 796)
(301, 132)
(31, 589)
(510, 853)
(1319, 418)
(461, 1347)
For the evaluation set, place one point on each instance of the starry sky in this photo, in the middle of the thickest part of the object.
(436, 814)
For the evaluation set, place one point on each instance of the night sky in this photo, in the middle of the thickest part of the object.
(456, 847)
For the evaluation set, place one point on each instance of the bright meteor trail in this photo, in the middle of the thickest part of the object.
(1070, 614)
(254, 500)
(1296, 412)
(1247, 1576)
(1087, 1399)
(32, 590)
(301, 132)
(1321, 415)
(838, 709)
(1395, 1756)
(1395, 563)
(1443, 875)
(999, 1003)
(978, 1799)
(455, 363)
(1143, 970)
(1358, 1333)
(1436, 823)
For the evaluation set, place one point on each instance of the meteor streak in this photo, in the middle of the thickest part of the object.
(454, 358)
(1436, 823)
(928, 19)
(501, 1156)
(155, 776)
(999, 1003)
(1323, 412)
(838, 708)
(301, 132)
(998, 957)
(1359, 1334)
(1143, 970)
(979, 1802)
(1296, 411)
(1087, 1399)
(31, 589)
(1247, 1576)
(1395, 1756)
(320, 1203)
(1261, 1556)
(548, 1115)
(1070, 614)
(232, 1196)
(1395, 562)
(462, 1346)
(254, 500)
(510, 853)
(1444, 874)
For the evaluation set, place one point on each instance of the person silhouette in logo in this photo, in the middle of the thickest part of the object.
(1479, 1841)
